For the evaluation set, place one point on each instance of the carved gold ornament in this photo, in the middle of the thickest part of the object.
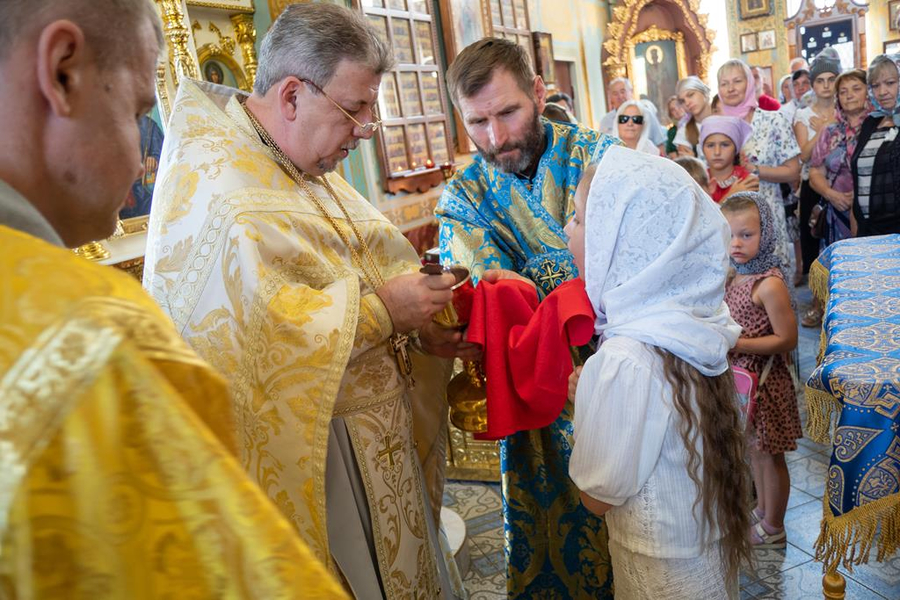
(622, 30)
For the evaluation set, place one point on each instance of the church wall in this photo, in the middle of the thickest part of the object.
(877, 32)
(777, 58)
(577, 27)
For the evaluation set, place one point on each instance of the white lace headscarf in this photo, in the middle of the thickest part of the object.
(656, 259)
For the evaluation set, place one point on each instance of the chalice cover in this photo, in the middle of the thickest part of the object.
(526, 350)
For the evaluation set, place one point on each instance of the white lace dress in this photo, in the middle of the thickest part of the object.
(629, 453)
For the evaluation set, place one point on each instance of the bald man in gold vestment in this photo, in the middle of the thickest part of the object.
(117, 469)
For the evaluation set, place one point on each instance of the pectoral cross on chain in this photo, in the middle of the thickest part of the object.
(549, 274)
(399, 348)
(389, 450)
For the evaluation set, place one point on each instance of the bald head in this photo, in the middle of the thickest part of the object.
(78, 75)
(24, 19)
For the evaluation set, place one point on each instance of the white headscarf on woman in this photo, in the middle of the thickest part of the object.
(656, 259)
(644, 144)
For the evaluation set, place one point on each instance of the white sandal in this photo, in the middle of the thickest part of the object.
(767, 541)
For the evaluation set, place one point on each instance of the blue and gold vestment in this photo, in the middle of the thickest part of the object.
(858, 380)
(495, 220)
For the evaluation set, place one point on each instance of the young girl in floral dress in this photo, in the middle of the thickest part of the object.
(760, 302)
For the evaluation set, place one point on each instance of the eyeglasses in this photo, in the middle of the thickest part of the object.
(367, 128)
(638, 119)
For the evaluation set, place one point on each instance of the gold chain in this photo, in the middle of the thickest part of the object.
(374, 277)
(398, 341)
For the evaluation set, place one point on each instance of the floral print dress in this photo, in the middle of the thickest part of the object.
(771, 144)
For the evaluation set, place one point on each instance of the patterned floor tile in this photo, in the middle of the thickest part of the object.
(471, 500)
(808, 475)
(804, 582)
(883, 578)
(745, 595)
(799, 497)
(486, 588)
(767, 563)
(803, 525)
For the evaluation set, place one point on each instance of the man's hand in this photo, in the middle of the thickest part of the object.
(573, 383)
(447, 343)
(495, 275)
(413, 299)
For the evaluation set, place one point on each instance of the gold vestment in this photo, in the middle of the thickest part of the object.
(260, 285)
(117, 470)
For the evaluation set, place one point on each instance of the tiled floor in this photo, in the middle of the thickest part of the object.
(782, 575)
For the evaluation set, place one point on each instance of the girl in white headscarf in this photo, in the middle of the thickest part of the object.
(633, 127)
(652, 248)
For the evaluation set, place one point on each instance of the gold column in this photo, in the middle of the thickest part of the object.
(178, 36)
(246, 36)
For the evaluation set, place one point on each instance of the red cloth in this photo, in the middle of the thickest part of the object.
(526, 350)
(719, 192)
(767, 102)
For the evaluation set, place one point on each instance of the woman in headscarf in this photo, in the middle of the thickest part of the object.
(771, 153)
(652, 249)
(694, 95)
(830, 171)
(876, 162)
(633, 127)
(788, 106)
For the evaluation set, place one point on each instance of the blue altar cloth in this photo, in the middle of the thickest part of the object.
(856, 390)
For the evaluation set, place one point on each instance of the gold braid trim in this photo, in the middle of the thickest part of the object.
(823, 409)
(847, 539)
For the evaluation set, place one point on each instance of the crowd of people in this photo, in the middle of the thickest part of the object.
(800, 153)
(268, 416)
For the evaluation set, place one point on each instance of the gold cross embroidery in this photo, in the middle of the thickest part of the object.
(549, 273)
(389, 450)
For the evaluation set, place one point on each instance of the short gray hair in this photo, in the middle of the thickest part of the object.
(112, 44)
(308, 41)
(624, 80)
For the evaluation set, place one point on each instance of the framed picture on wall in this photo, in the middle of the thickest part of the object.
(750, 9)
(767, 39)
(765, 80)
(894, 15)
(749, 42)
(892, 47)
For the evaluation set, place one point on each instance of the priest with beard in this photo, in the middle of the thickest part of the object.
(505, 213)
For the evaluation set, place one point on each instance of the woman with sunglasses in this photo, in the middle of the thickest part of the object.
(631, 128)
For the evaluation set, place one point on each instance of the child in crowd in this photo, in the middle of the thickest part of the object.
(651, 248)
(721, 139)
(760, 301)
(695, 168)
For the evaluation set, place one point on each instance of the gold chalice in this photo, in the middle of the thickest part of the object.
(467, 391)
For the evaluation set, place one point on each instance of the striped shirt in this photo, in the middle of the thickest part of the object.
(864, 168)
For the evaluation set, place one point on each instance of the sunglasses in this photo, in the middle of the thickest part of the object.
(638, 119)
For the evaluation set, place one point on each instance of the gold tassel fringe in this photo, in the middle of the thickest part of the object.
(847, 540)
(823, 409)
(818, 281)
